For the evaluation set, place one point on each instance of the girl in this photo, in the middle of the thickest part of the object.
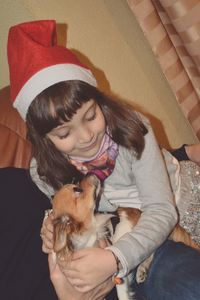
(75, 129)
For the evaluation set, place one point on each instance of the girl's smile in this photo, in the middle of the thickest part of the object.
(87, 148)
(83, 134)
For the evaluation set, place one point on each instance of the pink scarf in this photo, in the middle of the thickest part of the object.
(103, 163)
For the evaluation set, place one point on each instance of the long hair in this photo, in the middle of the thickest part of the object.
(58, 104)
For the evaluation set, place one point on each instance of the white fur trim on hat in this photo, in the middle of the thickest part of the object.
(47, 77)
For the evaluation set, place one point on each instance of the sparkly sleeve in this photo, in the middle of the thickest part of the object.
(189, 204)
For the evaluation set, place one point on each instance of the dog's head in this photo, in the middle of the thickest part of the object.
(73, 212)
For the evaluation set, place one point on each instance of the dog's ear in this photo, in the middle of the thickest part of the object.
(64, 228)
(60, 233)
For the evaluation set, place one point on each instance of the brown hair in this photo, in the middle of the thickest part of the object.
(66, 97)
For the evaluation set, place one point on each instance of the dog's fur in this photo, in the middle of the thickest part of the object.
(76, 226)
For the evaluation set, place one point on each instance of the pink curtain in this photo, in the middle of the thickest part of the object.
(172, 28)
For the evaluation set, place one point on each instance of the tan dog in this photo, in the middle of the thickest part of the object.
(76, 226)
(74, 220)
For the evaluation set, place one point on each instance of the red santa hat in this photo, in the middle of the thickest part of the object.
(37, 62)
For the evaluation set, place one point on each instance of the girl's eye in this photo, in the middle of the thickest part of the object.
(91, 118)
(64, 136)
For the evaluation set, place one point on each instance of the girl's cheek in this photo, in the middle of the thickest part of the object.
(100, 124)
(69, 145)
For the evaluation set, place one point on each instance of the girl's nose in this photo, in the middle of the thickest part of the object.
(85, 135)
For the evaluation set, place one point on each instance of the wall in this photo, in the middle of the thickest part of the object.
(106, 36)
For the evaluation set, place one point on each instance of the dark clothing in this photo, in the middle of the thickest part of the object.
(174, 274)
(24, 273)
(180, 153)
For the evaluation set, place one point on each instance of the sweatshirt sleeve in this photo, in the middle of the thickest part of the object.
(158, 216)
(44, 187)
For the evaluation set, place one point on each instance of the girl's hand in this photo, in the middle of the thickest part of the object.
(89, 268)
(65, 291)
(46, 234)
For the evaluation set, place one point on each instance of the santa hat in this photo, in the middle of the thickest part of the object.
(37, 62)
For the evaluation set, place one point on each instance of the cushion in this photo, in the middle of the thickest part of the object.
(15, 150)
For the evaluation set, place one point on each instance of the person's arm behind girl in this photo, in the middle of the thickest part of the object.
(142, 183)
(187, 152)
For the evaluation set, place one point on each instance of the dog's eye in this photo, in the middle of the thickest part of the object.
(77, 190)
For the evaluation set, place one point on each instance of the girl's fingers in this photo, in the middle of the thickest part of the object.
(46, 234)
(48, 223)
(52, 262)
(79, 285)
(75, 282)
(47, 241)
(47, 248)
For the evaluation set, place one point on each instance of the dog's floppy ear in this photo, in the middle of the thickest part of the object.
(60, 233)
(64, 228)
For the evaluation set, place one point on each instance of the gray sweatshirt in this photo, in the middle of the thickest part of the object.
(142, 184)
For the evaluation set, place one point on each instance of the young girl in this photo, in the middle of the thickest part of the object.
(76, 129)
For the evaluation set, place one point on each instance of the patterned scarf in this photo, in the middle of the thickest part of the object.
(103, 163)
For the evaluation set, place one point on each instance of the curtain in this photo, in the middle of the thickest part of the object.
(172, 28)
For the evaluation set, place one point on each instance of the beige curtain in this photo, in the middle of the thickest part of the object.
(172, 28)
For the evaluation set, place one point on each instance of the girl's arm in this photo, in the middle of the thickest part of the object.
(158, 211)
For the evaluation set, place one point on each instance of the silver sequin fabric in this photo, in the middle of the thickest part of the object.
(189, 203)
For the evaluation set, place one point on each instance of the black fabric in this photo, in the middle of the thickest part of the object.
(24, 273)
(112, 295)
(180, 153)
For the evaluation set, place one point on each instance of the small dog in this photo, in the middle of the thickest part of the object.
(76, 226)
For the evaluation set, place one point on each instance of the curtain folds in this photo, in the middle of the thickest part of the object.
(172, 28)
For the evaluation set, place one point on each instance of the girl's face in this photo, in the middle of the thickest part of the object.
(83, 134)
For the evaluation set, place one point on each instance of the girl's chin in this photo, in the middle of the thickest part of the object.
(88, 152)
(85, 153)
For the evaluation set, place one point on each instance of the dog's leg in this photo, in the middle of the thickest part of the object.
(124, 290)
(122, 227)
(179, 234)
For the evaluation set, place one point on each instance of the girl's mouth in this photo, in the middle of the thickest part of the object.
(87, 148)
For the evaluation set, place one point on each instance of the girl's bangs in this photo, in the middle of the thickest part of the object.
(56, 113)
(57, 104)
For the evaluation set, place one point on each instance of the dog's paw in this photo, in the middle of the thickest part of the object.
(141, 274)
(143, 269)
